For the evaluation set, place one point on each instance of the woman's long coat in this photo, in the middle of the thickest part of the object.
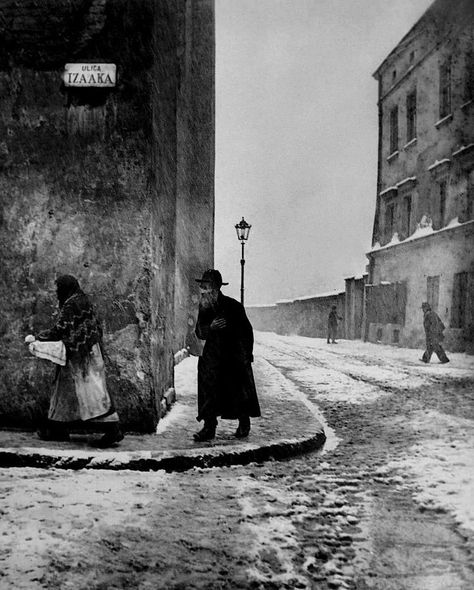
(79, 388)
(226, 386)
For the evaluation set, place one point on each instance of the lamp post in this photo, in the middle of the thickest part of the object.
(243, 229)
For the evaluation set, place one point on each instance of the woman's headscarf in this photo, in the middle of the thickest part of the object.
(66, 286)
(77, 325)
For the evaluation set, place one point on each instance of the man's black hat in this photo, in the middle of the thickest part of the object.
(212, 276)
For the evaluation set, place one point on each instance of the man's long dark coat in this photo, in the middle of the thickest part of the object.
(226, 386)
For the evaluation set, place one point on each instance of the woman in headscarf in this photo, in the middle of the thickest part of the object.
(79, 388)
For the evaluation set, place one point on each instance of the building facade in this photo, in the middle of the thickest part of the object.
(107, 180)
(423, 236)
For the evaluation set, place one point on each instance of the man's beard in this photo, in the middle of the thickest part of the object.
(209, 300)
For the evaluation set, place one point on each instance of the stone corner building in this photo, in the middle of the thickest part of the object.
(423, 238)
(111, 184)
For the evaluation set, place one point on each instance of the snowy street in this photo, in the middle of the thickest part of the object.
(388, 503)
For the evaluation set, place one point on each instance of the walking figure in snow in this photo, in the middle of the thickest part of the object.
(226, 386)
(332, 325)
(434, 334)
(79, 388)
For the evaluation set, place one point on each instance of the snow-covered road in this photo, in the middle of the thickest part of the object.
(387, 505)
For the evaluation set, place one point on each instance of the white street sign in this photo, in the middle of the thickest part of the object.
(90, 75)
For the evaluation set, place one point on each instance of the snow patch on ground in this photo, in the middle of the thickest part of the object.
(277, 382)
(443, 467)
(272, 540)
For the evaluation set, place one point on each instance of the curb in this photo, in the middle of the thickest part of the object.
(169, 462)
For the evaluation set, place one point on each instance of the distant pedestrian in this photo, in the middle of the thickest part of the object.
(332, 325)
(434, 328)
(79, 389)
(226, 386)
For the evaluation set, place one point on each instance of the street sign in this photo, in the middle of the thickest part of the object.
(90, 75)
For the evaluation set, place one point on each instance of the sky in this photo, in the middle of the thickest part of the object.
(296, 138)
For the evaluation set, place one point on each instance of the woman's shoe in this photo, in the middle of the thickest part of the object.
(110, 439)
(51, 430)
(48, 434)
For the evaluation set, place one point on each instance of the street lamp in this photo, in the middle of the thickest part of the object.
(243, 229)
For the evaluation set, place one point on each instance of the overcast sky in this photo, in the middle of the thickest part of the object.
(296, 138)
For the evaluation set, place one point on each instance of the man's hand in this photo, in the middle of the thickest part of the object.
(218, 324)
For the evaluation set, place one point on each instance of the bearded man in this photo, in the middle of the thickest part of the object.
(226, 386)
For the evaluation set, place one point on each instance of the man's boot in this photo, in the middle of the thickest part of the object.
(243, 428)
(208, 432)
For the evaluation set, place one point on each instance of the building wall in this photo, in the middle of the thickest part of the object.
(442, 254)
(426, 182)
(196, 151)
(303, 317)
(88, 186)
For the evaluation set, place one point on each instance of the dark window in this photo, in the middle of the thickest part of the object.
(470, 197)
(412, 56)
(442, 201)
(394, 75)
(469, 89)
(379, 333)
(432, 292)
(386, 304)
(445, 89)
(396, 336)
(406, 216)
(411, 115)
(389, 220)
(459, 310)
(394, 130)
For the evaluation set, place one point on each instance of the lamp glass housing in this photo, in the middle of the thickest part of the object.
(243, 229)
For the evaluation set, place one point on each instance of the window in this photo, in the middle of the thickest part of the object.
(432, 292)
(459, 309)
(469, 88)
(389, 220)
(442, 202)
(411, 116)
(412, 56)
(406, 216)
(470, 197)
(394, 130)
(445, 89)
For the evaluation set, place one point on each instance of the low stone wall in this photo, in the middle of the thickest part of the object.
(303, 317)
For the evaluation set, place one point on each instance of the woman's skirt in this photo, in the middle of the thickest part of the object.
(78, 396)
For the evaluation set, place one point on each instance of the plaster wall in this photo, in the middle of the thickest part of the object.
(415, 66)
(88, 186)
(304, 317)
(442, 254)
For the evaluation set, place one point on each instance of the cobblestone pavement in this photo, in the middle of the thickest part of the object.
(356, 515)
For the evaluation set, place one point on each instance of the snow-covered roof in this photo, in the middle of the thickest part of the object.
(422, 230)
(320, 295)
(260, 305)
